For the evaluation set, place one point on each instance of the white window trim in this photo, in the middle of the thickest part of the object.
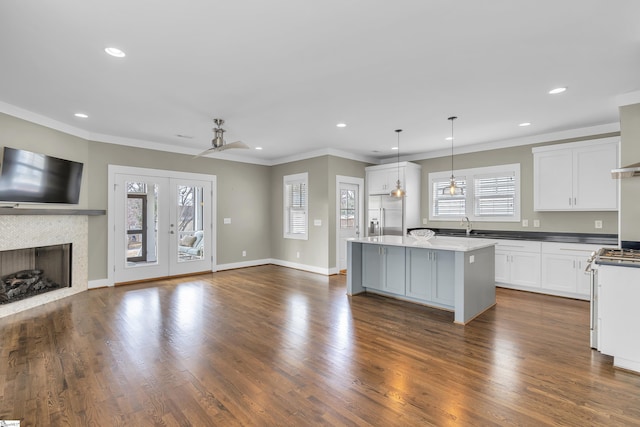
(470, 175)
(288, 179)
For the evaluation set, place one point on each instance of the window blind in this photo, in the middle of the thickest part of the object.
(495, 195)
(446, 205)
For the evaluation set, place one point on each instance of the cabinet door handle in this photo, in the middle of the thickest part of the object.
(569, 201)
(574, 263)
(575, 201)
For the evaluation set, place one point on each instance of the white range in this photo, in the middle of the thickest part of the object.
(616, 305)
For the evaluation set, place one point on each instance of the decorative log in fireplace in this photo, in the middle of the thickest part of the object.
(40, 270)
(24, 284)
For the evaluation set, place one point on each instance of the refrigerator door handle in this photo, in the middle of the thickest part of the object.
(383, 221)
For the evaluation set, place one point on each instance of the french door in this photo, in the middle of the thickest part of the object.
(163, 226)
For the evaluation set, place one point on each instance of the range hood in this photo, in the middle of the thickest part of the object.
(626, 172)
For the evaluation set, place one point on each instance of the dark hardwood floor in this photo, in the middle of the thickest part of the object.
(274, 346)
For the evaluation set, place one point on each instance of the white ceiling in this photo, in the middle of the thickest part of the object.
(283, 73)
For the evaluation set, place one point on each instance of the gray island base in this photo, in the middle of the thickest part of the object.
(450, 273)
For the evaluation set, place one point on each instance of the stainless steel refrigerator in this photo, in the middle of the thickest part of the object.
(384, 215)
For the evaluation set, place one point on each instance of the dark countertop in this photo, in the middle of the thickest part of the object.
(539, 236)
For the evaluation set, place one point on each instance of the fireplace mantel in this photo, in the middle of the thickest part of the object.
(30, 211)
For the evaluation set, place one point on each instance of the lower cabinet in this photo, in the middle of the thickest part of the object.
(563, 268)
(422, 274)
(383, 268)
(518, 263)
(430, 275)
(545, 267)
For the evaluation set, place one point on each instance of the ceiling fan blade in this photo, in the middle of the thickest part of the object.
(207, 151)
(232, 145)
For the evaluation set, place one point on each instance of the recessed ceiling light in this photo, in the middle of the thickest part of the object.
(525, 124)
(341, 125)
(394, 148)
(114, 51)
(449, 138)
(557, 90)
(81, 115)
(258, 148)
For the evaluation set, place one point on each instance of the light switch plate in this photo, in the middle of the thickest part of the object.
(317, 222)
(598, 223)
(227, 220)
(525, 222)
(425, 221)
(472, 259)
(536, 223)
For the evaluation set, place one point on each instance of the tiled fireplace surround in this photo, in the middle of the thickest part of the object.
(26, 231)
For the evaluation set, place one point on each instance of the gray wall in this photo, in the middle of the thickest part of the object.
(630, 187)
(320, 249)
(571, 222)
(315, 250)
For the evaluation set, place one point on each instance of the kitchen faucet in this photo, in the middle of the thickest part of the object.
(466, 219)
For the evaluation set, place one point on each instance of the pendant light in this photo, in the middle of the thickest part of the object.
(398, 192)
(452, 189)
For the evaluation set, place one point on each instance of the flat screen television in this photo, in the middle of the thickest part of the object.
(38, 178)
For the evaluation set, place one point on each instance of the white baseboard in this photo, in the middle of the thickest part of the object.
(103, 283)
(243, 264)
(100, 283)
(297, 266)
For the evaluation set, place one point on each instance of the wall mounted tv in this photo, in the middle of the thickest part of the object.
(38, 178)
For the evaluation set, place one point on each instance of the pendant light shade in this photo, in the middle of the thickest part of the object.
(452, 189)
(398, 192)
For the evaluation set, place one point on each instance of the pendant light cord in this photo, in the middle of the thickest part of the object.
(452, 118)
(398, 132)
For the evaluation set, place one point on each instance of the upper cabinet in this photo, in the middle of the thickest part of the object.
(576, 176)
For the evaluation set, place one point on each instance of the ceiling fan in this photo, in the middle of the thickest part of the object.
(218, 143)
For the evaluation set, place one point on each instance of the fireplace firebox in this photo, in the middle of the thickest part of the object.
(32, 271)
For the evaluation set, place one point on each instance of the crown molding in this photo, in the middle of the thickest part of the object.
(628, 98)
(506, 143)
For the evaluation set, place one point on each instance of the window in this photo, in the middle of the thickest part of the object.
(347, 209)
(446, 205)
(495, 195)
(490, 194)
(296, 206)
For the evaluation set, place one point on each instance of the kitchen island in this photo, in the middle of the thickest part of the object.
(451, 273)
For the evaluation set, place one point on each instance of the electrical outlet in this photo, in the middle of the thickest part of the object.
(598, 223)
(227, 221)
(298, 254)
(244, 253)
(525, 222)
(425, 221)
(536, 223)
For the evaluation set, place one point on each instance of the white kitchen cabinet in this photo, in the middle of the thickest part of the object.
(430, 276)
(576, 176)
(518, 263)
(383, 268)
(382, 181)
(563, 266)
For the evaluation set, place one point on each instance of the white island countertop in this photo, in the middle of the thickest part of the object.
(444, 243)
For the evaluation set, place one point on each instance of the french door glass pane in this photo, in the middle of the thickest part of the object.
(190, 227)
(141, 219)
